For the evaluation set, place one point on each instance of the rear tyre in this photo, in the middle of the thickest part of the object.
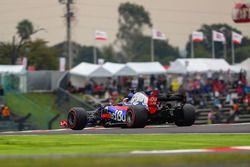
(77, 118)
(136, 117)
(186, 117)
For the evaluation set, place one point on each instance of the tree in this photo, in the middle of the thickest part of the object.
(241, 54)
(164, 52)
(85, 54)
(41, 56)
(132, 19)
(108, 53)
(6, 49)
(24, 30)
(76, 48)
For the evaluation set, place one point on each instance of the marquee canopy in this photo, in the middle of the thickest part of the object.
(90, 70)
(13, 69)
(141, 68)
(182, 66)
(113, 67)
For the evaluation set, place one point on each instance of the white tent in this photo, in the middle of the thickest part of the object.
(90, 70)
(245, 65)
(12, 69)
(113, 67)
(19, 71)
(182, 66)
(82, 72)
(141, 68)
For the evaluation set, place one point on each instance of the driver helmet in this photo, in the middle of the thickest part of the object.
(149, 90)
(130, 95)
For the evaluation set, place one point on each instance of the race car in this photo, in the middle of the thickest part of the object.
(135, 111)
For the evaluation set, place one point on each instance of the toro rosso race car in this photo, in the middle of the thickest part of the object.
(136, 111)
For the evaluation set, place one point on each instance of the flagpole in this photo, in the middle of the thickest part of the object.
(225, 50)
(94, 50)
(152, 48)
(192, 47)
(233, 53)
(213, 50)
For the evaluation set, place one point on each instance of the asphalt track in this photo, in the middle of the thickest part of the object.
(164, 129)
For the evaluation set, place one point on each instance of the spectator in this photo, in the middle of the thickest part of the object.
(152, 80)
(175, 86)
(134, 83)
(89, 87)
(1, 91)
(229, 99)
(71, 88)
(1, 94)
(6, 113)
(234, 112)
(140, 85)
(217, 103)
(210, 117)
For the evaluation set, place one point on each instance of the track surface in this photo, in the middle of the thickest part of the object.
(166, 129)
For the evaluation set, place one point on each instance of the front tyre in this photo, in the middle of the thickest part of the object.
(136, 117)
(77, 118)
(186, 117)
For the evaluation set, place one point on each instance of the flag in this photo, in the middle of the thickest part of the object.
(218, 37)
(236, 38)
(158, 35)
(197, 36)
(101, 35)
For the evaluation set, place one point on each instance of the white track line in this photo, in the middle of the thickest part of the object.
(224, 149)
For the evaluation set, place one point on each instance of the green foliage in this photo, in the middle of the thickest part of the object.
(108, 53)
(132, 19)
(201, 52)
(6, 50)
(242, 53)
(25, 29)
(85, 54)
(42, 56)
(75, 47)
(164, 52)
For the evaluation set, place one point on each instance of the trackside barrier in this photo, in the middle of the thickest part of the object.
(223, 116)
(53, 120)
(65, 101)
(39, 117)
(21, 121)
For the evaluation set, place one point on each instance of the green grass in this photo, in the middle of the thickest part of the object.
(205, 160)
(40, 105)
(92, 144)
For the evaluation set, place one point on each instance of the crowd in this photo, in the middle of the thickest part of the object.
(211, 90)
(4, 113)
(4, 110)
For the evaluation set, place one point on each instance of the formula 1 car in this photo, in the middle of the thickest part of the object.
(137, 111)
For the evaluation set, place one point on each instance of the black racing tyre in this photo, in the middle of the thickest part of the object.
(77, 118)
(187, 117)
(136, 117)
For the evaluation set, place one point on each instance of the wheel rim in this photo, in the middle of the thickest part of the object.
(129, 118)
(71, 119)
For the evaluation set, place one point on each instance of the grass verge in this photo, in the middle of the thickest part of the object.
(56, 146)
(93, 144)
(203, 160)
